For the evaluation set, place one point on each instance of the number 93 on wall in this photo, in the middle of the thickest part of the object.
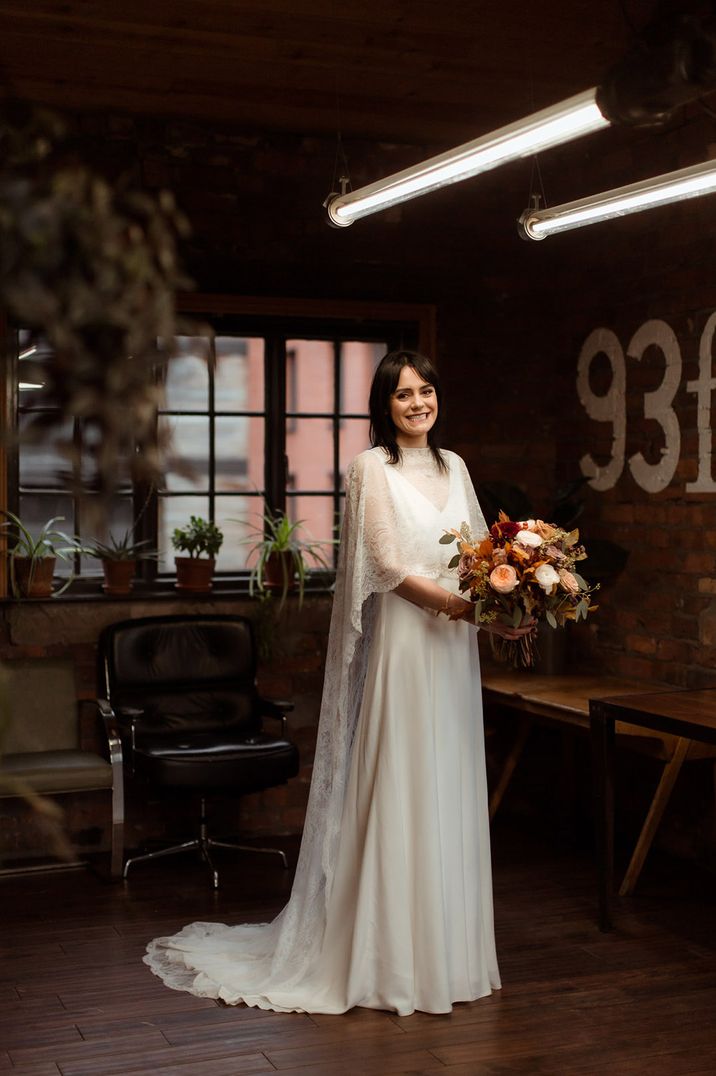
(658, 406)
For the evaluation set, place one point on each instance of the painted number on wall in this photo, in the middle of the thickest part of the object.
(658, 406)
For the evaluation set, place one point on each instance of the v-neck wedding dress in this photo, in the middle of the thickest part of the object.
(392, 903)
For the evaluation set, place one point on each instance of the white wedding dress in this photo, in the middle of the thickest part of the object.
(391, 906)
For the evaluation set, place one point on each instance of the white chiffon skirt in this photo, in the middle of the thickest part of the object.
(409, 916)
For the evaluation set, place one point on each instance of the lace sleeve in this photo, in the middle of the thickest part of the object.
(373, 556)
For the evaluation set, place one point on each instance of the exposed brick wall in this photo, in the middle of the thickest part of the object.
(512, 317)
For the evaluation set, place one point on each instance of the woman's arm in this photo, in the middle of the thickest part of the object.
(430, 595)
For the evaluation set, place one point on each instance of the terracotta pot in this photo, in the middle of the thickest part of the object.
(194, 574)
(279, 568)
(118, 576)
(33, 577)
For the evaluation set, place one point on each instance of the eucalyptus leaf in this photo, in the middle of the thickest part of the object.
(551, 619)
(446, 539)
(454, 561)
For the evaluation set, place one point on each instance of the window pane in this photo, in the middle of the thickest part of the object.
(239, 450)
(33, 357)
(353, 438)
(187, 377)
(358, 364)
(237, 517)
(317, 517)
(309, 375)
(36, 510)
(41, 462)
(239, 375)
(309, 448)
(175, 512)
(187, 456)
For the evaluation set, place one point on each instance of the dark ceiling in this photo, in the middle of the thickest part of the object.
(393, 70)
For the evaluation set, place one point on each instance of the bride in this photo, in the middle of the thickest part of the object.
(391, 906)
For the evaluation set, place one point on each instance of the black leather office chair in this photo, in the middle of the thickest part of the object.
(181, 693)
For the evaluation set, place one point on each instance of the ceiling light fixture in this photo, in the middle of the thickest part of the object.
(692, 182)
(570, 119)
(672, 62)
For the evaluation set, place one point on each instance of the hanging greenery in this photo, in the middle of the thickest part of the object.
(93, 268)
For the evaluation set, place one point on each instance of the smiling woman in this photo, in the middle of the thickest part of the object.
(391, 906)
(413, 409)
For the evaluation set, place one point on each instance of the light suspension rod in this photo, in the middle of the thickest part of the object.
(577, 116)
(689, 182)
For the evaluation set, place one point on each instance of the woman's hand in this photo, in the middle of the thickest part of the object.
(506, 631)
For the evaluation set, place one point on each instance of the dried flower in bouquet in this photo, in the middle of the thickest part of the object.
(521, 572)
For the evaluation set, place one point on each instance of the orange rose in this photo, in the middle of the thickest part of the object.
(503, 578)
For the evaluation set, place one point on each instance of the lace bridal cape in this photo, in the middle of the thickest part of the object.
(382, 542)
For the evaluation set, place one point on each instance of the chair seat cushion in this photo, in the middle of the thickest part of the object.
(216, 759)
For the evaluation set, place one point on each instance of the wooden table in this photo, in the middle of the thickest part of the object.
(688, 715)
(558, 700)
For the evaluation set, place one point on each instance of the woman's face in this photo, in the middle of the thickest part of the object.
(413, 409)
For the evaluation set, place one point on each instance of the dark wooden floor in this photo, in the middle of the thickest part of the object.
(76, 999)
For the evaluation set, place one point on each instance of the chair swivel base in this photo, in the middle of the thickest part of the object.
(203, 844)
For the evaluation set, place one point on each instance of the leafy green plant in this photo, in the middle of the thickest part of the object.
(50, 542)
(124, 548)
(279, 547)
(198, 538)
(92, 267)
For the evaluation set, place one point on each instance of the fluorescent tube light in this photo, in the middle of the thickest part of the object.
(572, 118)
(689, 182)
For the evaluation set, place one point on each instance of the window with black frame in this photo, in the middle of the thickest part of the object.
(255, 417)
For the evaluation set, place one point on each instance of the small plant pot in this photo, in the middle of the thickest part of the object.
(280, 572)
(118, 576)
(194, 574)
(32, 576)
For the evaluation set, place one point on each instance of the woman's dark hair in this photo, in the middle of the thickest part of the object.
(385, 382)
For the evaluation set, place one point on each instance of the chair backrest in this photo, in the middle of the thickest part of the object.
(171, 653)
(166, 674)
(42, 702)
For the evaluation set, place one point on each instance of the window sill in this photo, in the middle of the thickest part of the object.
(165, 591)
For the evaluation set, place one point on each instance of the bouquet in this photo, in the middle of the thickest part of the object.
(519, 573)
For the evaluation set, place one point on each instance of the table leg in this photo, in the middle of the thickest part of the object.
(602, 734)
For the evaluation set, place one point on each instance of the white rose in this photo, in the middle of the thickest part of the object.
(547, 577)
(528, 539)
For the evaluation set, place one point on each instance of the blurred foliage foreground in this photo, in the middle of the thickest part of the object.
(93, 268)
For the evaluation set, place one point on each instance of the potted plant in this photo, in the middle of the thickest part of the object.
(119, 559)
(201, 541)
(33, 559)
(281, 556)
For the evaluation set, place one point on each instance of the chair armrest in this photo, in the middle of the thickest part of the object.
(277, 708)
(114, 740)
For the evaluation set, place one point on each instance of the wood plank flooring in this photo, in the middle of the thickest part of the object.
(76, 1000)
